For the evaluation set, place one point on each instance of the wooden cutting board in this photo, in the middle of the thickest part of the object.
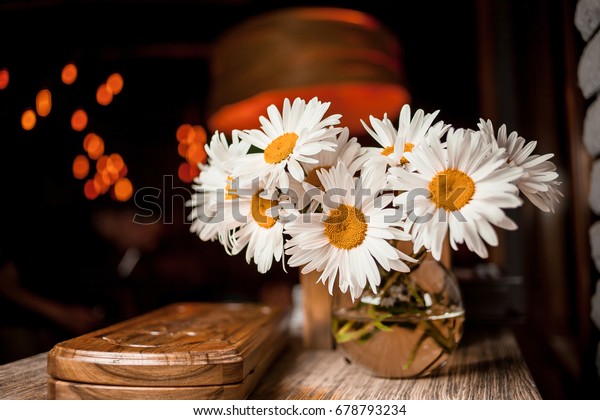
(182, 351)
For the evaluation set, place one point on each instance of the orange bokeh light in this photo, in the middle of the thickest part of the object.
(123, 171)
(196, 153)
(182, 149)
(4, 78)
(106, 178)
(79, 120)
(69, 74)
(28, 119)
(43, 102)
(112, 174)
(187, 172)
(104, 95)
(185, 134)
(117, 161)
(102, 163)
(123, 189)
(115, 83)
(95, 147)
(100, 183)
(200, 134)
(89, 190)
(81, 167)
(88, 139)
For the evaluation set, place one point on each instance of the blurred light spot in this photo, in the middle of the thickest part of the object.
(81, 167)
(200, 134)
(187, 172)
(101, 163)
(185, 133)
(106, 178)
(115, 83)
(104, 95)
(79, 120)
(87, 140)
(4, 78)
(95, 147)
(43, 102)
(90, 190)
(117, 161)
(182, 149)
(196, 154)
(123, 189)
(28, 119)
(123, 171)
(100, 183)
(69, 74)
(112, 174)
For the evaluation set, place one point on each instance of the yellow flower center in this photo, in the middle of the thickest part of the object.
(390, 149)
(345, 227)
(229, 193)
(407, 148)
(387, 151)
(451, 189)
(280, 148)
(313, 179)
(259, 211)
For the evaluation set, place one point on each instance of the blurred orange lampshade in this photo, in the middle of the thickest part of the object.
(341, 56)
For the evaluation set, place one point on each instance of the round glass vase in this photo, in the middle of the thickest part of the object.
(409, 328)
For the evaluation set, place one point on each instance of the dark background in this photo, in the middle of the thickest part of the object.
(510, 61)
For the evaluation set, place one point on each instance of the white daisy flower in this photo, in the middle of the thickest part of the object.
(212, 215)
(538, 182)
(461, 190)
(288, 139)
(351, 236)
(348, 150)
(396, 143)
(261, 235)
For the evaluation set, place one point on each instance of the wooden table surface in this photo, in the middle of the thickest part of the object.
(487, 365)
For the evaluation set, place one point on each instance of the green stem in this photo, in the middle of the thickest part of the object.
(389, 282)
(413, 353)
(413, 291)
(446, 343)
(344, 336)
(345, 327)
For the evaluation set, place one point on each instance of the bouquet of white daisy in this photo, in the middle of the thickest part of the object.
(301, 186)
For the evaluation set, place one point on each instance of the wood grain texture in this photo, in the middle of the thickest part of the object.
(316, 311)
(24, 379)
(487, 365)
(183, 344)
(65, 390)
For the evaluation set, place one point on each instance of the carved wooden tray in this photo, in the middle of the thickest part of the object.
(182, 351)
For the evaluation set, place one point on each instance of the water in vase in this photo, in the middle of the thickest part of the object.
(398, 346)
